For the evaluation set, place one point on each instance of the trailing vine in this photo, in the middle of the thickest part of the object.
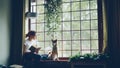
(52, 15)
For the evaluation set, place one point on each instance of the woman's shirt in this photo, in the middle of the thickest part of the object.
(28, 44)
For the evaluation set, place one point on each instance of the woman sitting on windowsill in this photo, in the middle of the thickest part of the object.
(30, 47)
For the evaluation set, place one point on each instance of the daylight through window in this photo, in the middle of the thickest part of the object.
(78, 32)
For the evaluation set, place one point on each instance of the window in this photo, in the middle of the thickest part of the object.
(80, 31)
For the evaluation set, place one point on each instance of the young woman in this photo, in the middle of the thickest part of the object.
(30, 44)
(30, 50)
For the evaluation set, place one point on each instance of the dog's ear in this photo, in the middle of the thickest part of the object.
(55, 40)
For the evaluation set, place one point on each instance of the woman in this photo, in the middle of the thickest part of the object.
(30, 44)
(30, 49)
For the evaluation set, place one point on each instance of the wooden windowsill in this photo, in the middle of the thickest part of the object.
(61, 59)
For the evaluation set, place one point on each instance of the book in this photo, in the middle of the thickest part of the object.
(34, 49)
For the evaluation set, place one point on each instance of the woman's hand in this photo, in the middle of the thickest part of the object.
(37, 50)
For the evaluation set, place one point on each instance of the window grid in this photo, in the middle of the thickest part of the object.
(70, 24)
(44, 32)
(90, 29)
(62, 36)
(80, 34)
(80, 40)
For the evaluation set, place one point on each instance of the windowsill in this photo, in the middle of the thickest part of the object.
(61, 59)
(66, 59)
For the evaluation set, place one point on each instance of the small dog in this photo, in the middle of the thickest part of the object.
(54, 54)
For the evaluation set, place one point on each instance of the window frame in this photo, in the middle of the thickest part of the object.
(100, 26)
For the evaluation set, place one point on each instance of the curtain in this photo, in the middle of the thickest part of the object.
(112, 31)
(16, 30)
(104, 50)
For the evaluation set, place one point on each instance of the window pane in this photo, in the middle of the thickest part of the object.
(40, 18)
(48, 47)
(46, 28)
(94, 24)
(85, 25)
(33, 27)
(66, 53)
(66, 25)
(41, 52)
(75, 45)
(58, 35)
(75, 6)
(94, 14)
(75, 15)
(47, 37)
(66, 16)
(85, 44)
(85, 5)
(93, 4)
(33, 8)
(66, 35)
(66, 45)
(84, 0)
(85, 15)
(94, 34)
(85, 52)
(85, 34)
(75, 25)
(59, 45)
(75, 53)
(75, 35)
(40, 2)
(48, 44)
(40, 36)
(60, 53)
(26, 26)
(66, 0)
(40, 44)
(59, 28)
(40, 27)
(75, 0)
(33, 2)
(94, 44)
(66, 7)
(95, 51)
(40, 9)
(33, 21)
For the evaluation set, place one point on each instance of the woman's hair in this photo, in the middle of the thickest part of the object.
(31, 33)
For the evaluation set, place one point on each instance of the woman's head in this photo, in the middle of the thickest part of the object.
(31, 34)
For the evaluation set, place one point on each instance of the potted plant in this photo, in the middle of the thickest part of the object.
(89, 57)
(89, 60)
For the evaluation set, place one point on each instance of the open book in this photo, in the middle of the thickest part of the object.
(34, 49)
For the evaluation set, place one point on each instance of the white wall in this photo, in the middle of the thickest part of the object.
(4, 31)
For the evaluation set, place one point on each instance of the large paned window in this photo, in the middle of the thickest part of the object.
(79, 31)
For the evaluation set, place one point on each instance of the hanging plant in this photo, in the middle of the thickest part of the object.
(52, 15)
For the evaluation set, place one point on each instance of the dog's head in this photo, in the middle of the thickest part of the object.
(54, 42)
